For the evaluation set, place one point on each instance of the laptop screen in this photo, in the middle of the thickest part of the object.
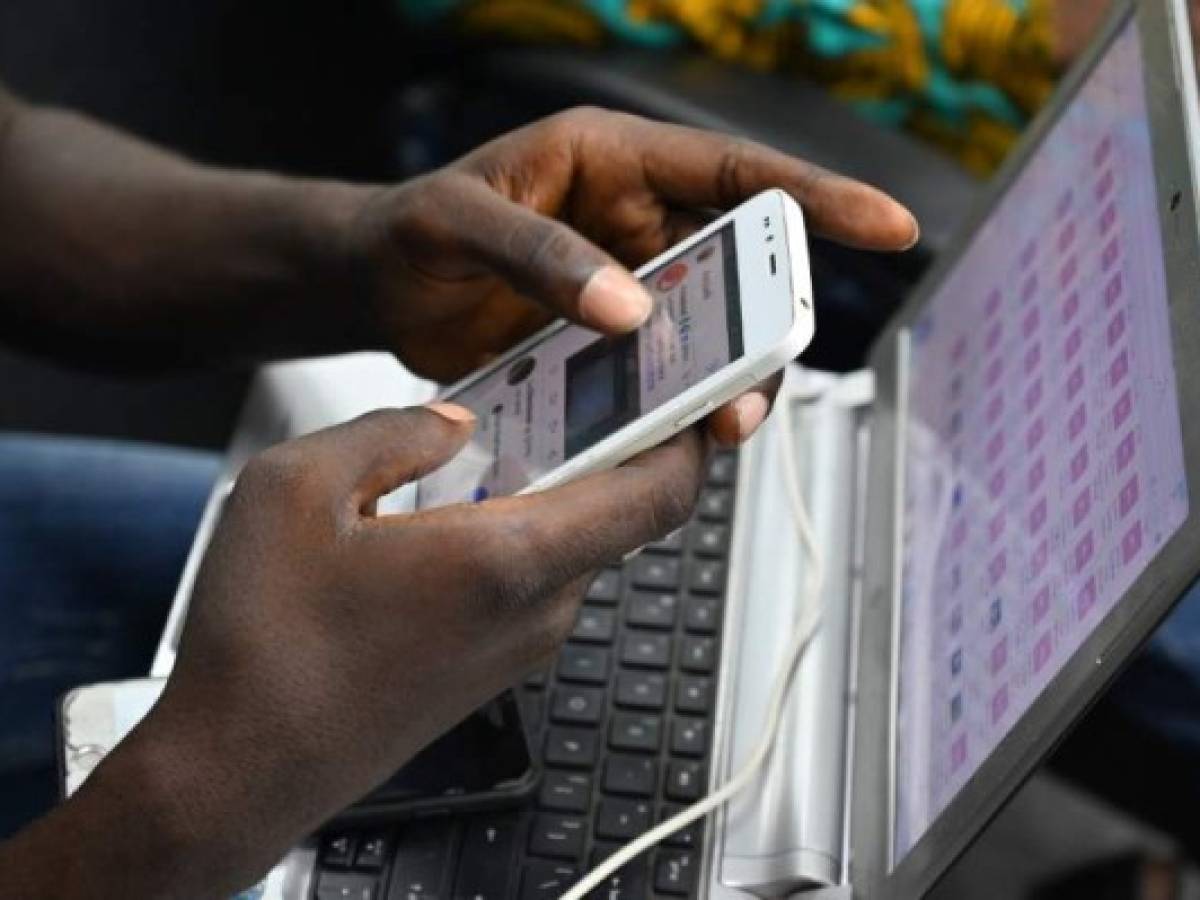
(1044, 458)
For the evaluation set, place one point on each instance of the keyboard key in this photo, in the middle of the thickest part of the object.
(641, 690)
(715, 505)
(686, 838)
(645, 650)
(701, 615)
(623, 820)
(632, 776)
(693, 694)
(675, 872)
(586, 664)
(672, 544)
(699, 654)
(486, 858)
(565, 791)
(605, 587)
(577, 705)
(345, 886)
(372, 852)
(630, 882)
(710, 540)
(647, 610)
(685, 781)
(421, 867)
(559, 837)
(595, 626)
(338, 850)
(708, 577)
(571, 747)
(634, 732)
(689, 737)
(658, 573)
(547, 881)
(722, 469)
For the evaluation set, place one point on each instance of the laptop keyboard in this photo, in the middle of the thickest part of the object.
(623, 725)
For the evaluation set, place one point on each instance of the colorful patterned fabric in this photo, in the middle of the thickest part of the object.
(963, 73)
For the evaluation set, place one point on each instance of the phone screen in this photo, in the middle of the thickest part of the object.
(575, 387)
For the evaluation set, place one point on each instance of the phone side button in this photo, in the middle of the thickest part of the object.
(695, 415)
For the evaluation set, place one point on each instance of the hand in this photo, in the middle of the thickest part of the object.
(325, 646)
(468, 260)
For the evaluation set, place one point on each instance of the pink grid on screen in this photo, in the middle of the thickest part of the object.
(1044, 461)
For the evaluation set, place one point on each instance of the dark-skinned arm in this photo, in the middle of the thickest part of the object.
(245, 752)
(116, 253)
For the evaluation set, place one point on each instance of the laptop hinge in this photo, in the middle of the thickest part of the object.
(787, 833)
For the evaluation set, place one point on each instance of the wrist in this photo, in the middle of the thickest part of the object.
(163, 816)
(121, 835)
(332, 262)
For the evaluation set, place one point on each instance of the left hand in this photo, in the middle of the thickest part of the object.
(542, 222)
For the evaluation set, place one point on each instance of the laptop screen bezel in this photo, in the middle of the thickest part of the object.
(1171, 101)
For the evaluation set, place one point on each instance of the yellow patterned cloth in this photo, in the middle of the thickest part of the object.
(965, 74)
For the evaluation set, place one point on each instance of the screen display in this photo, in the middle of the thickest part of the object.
(601, 391)
(575, 388)
(1044, 458)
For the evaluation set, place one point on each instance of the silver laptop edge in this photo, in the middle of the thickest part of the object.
(789, 831)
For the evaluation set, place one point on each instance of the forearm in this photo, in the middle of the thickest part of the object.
(115, 252)
(158, 820)
(110, 840)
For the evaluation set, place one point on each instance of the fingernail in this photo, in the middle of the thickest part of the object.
(613, 300)
(751, 411)
(916, 231)
(459, 415)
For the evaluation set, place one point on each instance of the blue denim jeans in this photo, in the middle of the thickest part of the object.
(93, 536)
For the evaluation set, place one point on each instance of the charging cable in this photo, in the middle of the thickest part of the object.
(805, 629)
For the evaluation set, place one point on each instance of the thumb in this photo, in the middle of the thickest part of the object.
(387, 448)
(553, 264)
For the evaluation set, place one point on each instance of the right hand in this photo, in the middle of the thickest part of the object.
(325, 645)
(465, 262)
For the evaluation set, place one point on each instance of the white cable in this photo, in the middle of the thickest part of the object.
(805, 630)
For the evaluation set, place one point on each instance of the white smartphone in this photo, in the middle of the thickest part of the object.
(733, 305)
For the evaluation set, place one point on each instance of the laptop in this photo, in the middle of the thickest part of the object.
(1007, 502)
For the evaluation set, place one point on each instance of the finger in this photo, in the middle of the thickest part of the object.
(613, 513)
(681, 224)
(550, 262)
(690, 167)
(376, 453)
(736, 421)
(544, 540)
